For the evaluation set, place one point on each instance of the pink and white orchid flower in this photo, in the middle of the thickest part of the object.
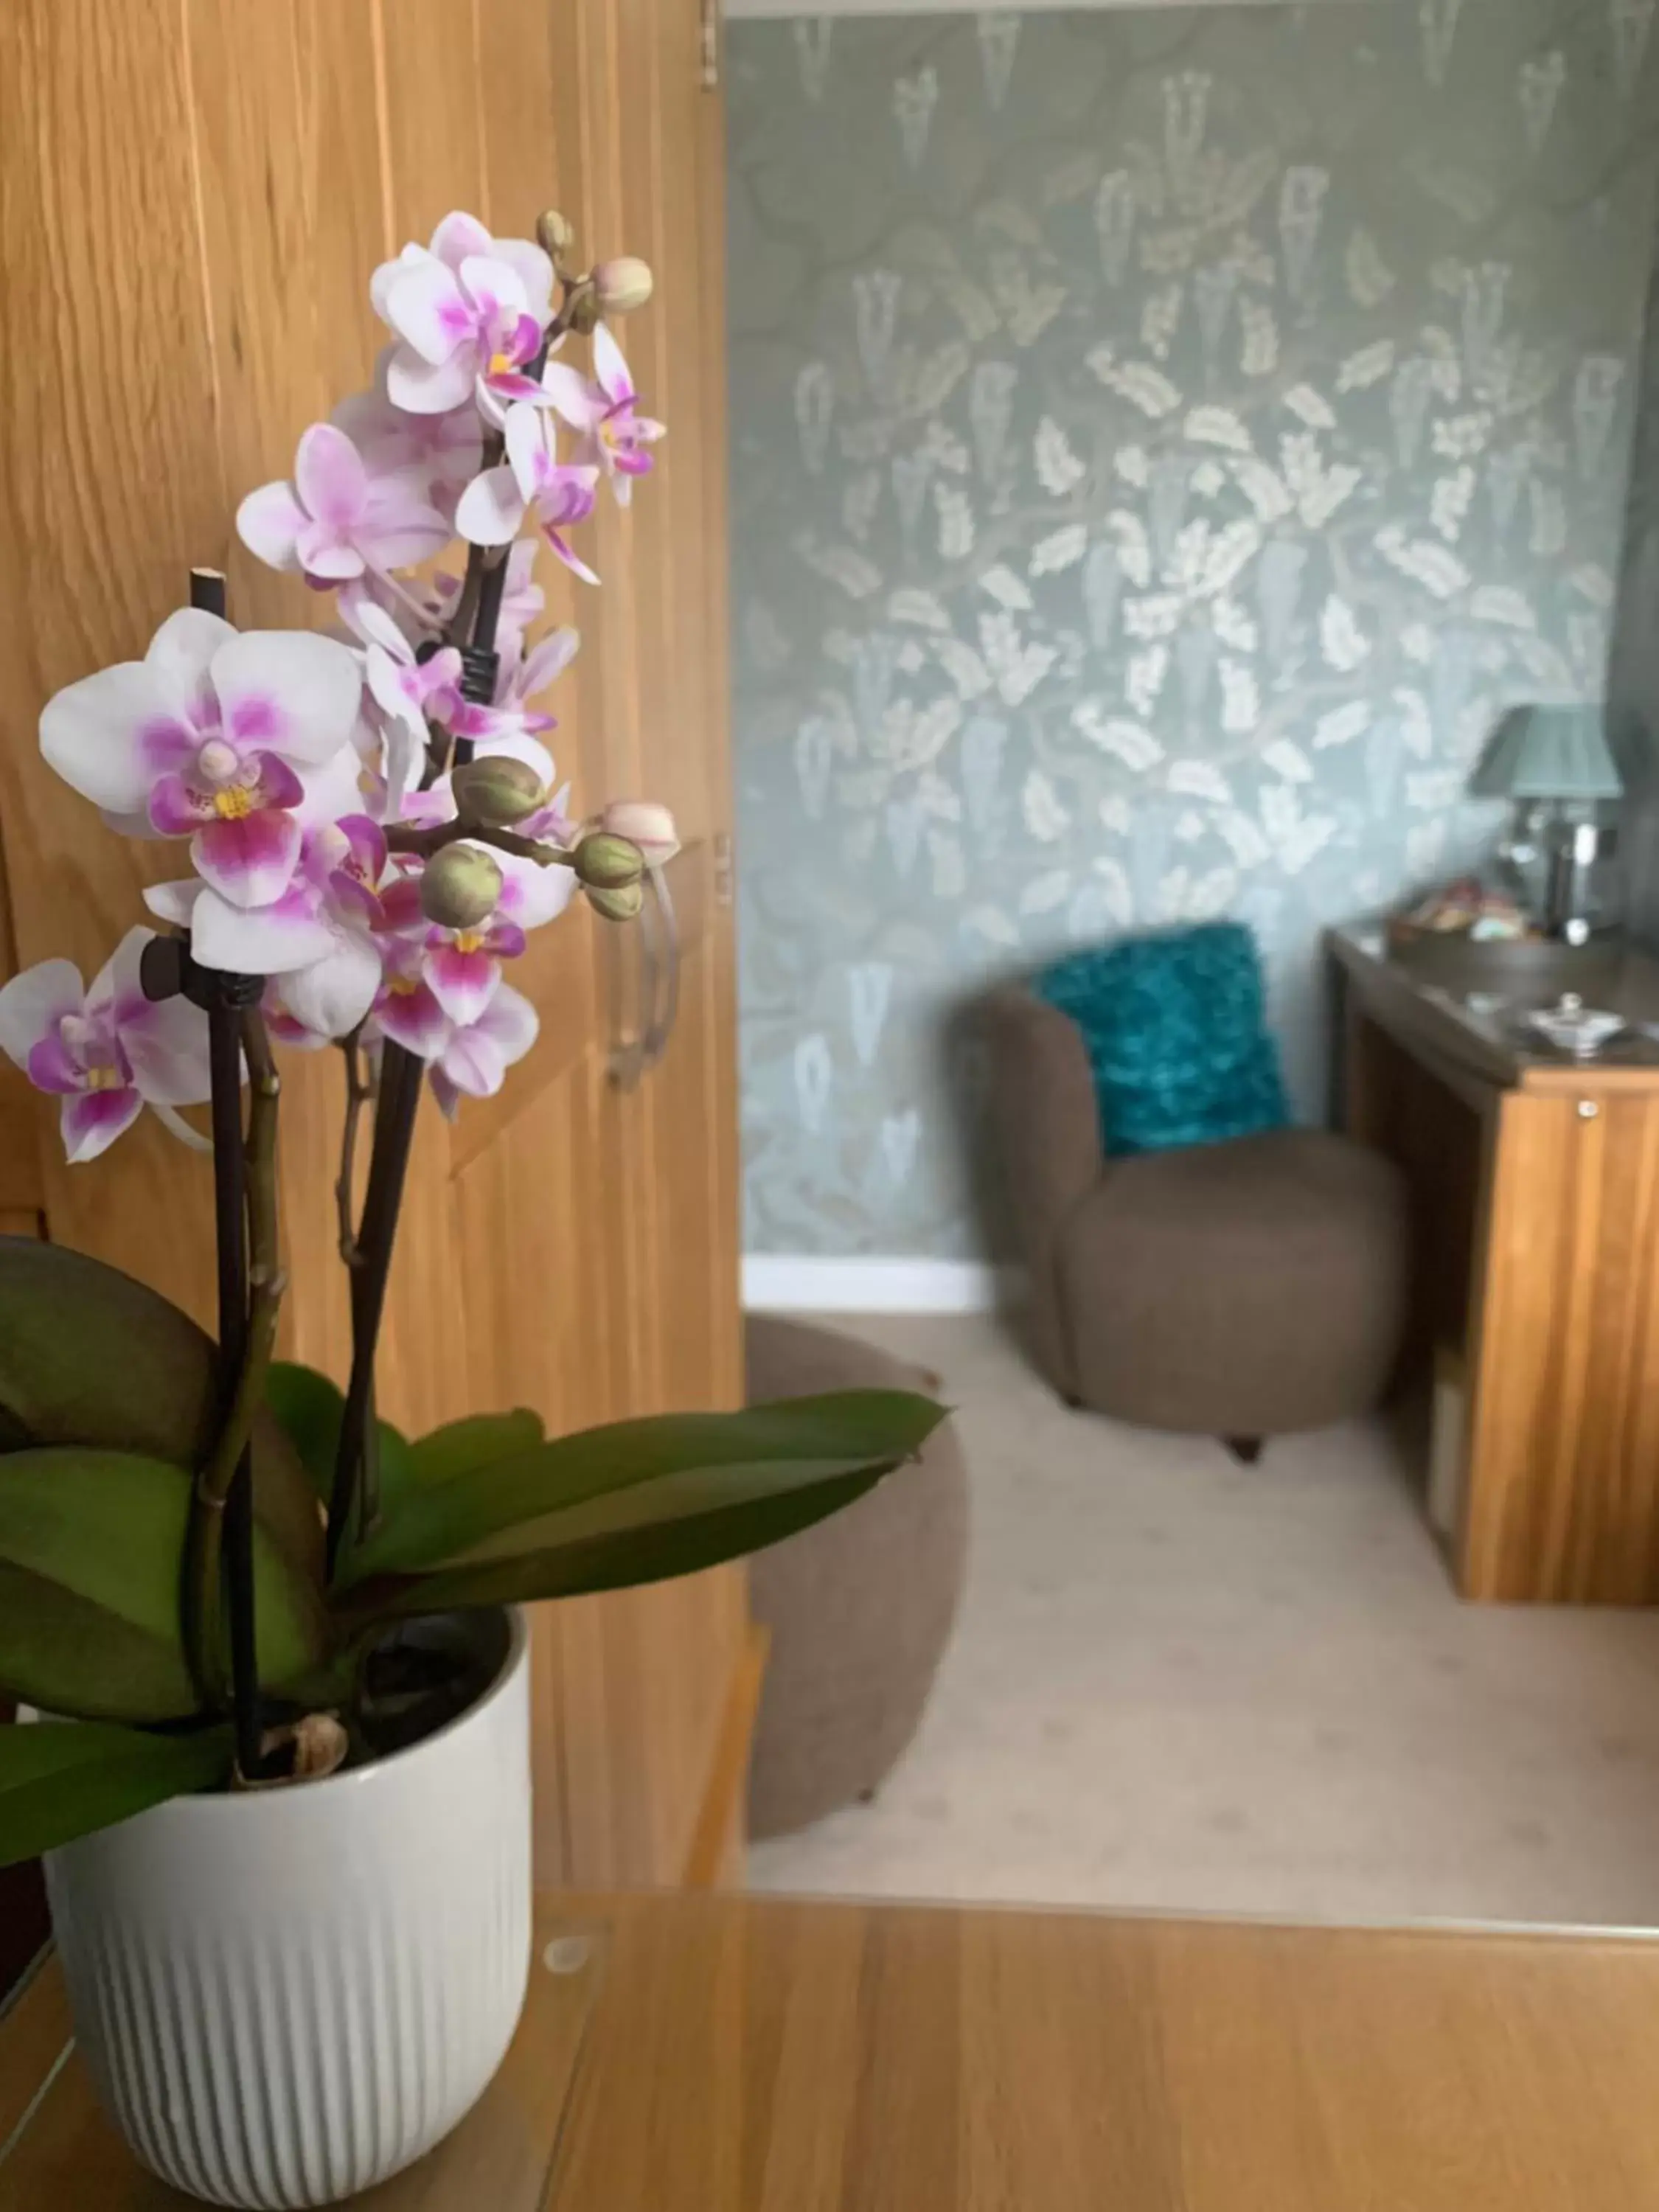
(439, 453)
(460, 967)
(319, 940)
(614, 435)
(405, 1008)
(476, 1055)
(284, 1023)
(335, 519)
(204, 738)
(470, 311)
(420, 605)
(407, 691)
(533, 484)
(106, 1051)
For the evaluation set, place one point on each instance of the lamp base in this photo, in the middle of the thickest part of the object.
(1570, 905)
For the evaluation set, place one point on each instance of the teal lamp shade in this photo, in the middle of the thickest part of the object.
(1548, 753)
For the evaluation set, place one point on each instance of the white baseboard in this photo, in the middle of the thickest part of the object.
(775, 1283)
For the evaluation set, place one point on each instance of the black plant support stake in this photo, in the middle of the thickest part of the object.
(355, 1488)
(230, 1221)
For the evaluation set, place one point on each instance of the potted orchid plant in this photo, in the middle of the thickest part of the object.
(281, 1771)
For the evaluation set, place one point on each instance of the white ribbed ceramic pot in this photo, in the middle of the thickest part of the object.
(285, 1996)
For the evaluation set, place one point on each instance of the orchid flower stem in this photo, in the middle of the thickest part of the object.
(266, 1285)
(357, 1097)
(219, 1537)
(402, 592)
(461, 621)
(459, 627)
(403, 837)
(355, 1490)
(437, 755)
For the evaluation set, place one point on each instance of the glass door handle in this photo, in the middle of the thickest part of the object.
(658, 924)
(631, 1020)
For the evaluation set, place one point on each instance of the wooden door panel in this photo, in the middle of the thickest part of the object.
(112, 487)
(694, 1338)
(641, 1818)
(435, 110)
(197, 190)
(531, 1248)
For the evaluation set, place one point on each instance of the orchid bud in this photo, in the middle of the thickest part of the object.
(619, 905)
(460, 887)
(554, 232)
(644, 823)
(622, 285)
(609, 863)
(496, 790)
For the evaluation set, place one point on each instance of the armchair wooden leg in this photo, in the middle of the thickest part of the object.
(1247, 1450)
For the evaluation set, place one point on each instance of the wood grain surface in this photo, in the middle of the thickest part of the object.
(1563, 1498)
(823, 2059)
(749, 2055)
(1536, 1193)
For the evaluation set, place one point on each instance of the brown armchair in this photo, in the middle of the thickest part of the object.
(1241, 1290)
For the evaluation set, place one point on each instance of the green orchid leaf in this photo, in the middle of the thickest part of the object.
(91, 1544)
(680, 1464)
(622, 1560)
(71, 1656)
(667, 1498)
(87, 1356)
(57, 1783)
(463, 1447)
(309, 1409)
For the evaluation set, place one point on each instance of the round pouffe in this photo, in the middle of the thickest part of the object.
(859, 1608)
(1246, 1289)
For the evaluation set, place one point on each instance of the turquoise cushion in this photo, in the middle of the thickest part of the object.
(1177, 1037)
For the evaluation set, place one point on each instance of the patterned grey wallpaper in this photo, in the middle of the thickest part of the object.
(1162, 442)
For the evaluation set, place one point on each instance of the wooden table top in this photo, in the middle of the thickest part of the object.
(1487, 1040)
(753, 2055)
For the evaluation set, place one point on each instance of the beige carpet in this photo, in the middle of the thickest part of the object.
(1177, 1682)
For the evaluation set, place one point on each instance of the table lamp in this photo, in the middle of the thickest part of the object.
(1553, 765)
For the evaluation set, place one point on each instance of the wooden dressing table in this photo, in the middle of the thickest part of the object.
(1536, 1186)
(723, 2054)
